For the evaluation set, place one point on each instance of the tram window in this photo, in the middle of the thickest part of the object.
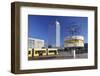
(29, 52)
(36, 52)
(44, 51)
(52, 51)
(39, 51)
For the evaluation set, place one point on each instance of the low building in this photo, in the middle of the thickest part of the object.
(35, 43)
(73, 41)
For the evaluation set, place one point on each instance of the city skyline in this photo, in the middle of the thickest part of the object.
(38, 26)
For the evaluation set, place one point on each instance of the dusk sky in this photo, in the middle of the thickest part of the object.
(38, 26)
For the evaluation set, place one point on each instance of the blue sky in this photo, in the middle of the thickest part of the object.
(38, 26)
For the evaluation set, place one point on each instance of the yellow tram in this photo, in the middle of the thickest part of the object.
(30, 52)
(36, 52)
(39, 52)
(52, 51)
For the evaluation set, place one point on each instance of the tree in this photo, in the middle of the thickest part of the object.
(49, 46)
